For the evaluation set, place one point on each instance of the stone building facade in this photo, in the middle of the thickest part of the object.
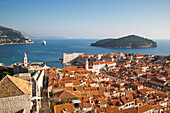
(69, 58)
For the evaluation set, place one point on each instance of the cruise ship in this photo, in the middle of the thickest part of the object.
(43, 42)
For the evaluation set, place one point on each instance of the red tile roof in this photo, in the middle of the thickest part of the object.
(64, 94)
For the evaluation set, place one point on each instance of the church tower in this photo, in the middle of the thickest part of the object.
(130, 56)
(87, 64)
(25, 60)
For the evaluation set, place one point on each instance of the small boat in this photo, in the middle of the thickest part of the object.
(60, 58)
(43, 42)
(67, 64)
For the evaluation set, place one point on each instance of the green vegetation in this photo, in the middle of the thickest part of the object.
(3, 72)
(74, 98)
(77, 107)
(131, 41)
(52, 107)
(10, 36)
(62, 71)
(68, 100)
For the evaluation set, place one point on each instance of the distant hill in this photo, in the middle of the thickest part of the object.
(25, 34)
(41, 37)
(11, 36)
(47, 37)
(131, 41)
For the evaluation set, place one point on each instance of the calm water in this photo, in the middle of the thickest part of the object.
(54, 49)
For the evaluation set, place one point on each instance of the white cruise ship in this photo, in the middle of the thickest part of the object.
(43, 42)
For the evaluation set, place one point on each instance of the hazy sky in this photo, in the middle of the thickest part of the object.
(88, 18)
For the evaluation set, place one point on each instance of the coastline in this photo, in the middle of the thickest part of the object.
(16, 43)
(143, 47)
(51, 53)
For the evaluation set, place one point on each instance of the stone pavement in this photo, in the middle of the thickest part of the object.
(44, 102)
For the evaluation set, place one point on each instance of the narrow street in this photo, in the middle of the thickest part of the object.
(44, 102)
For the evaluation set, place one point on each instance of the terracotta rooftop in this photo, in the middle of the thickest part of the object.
(144, 108)
(130, 110)
(64, 94)
(158, 106)
(127, 99)
(66, 107)
(113, 110)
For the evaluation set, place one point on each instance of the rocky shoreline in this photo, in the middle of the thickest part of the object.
(126, 47)
(15, 43)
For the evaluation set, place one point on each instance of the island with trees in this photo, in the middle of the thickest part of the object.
(11, 36)
(131, 41)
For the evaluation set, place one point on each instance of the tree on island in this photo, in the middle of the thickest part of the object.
(3, 72)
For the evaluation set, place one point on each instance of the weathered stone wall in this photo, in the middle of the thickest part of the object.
(15, 103)
(70, 57)
(20, 69)
(35, 76)
(38, 77)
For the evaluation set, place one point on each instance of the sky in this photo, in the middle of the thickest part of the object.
(88, 18)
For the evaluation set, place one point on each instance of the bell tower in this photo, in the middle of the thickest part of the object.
(87, 64)
(25, 60)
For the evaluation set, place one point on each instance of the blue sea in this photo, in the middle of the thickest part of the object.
(54, 49)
